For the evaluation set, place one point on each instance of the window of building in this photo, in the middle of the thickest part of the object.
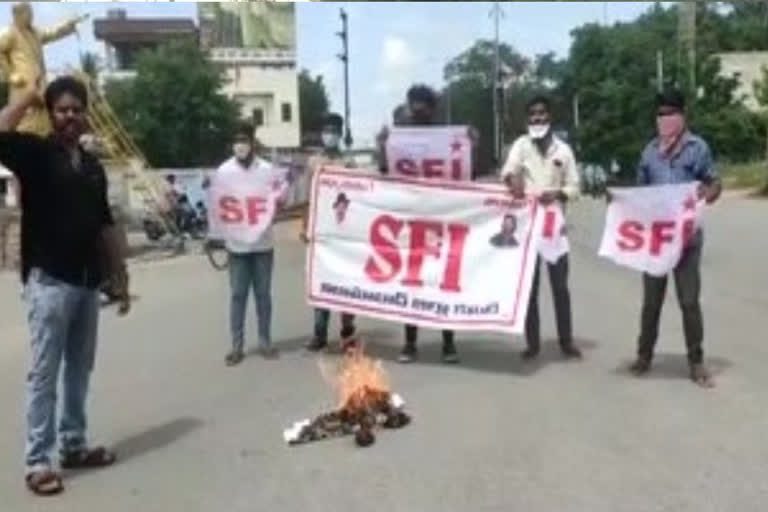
(286, 112)
(258, 117)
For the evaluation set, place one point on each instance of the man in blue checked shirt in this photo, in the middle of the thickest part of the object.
(677, 156)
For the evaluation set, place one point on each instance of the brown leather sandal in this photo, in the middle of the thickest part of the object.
(88, 458)
(44, 483)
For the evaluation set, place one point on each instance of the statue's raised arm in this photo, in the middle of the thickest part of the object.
(22, 61)
(69, 27)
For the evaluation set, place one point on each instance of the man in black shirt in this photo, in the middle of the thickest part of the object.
(69, 247)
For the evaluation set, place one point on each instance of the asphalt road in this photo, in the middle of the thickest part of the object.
(490, 435)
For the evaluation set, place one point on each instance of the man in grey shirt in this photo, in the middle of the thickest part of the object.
(677, 156)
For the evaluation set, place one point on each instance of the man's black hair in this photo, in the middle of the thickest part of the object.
(334, 120)
(671, 98)
(65, 85)
(245, 128)
(422, 93)
(400, 116)
(539, 99)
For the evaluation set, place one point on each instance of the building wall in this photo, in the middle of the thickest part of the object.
(268, 87)
(747, 67)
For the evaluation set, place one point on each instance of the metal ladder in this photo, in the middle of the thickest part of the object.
(123, 151)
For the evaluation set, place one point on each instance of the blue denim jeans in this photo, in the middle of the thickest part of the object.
(250, 271)
(63, 323)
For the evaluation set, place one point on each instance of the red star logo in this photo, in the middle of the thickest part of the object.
(456, 146)
(690, 204)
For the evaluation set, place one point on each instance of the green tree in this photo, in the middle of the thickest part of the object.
(612, 70)
(313, 104)
(469, 93)
(761, 93)
(174, 109)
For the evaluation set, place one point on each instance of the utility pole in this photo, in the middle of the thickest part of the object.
(660, 70)
(448, 101)
(687, 40)
(344, 57)
(576, 113)
(498, 97)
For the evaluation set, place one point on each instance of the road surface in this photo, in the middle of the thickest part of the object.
(490, 435)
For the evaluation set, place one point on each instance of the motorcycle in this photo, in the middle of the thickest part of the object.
(187, 223)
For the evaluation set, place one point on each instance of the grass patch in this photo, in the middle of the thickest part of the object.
(745, 176)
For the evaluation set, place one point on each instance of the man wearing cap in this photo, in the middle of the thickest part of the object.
(677, 156)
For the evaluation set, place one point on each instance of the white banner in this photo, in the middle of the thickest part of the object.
(243, 203)
(647, 228)
(554, 237)
(441, 152)
(438, 254)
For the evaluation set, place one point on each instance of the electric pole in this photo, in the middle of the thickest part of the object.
(498, 91)
(687, 40)
(660, 71)
(344, 57)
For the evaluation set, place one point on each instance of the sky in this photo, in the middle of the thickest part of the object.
(392, 44)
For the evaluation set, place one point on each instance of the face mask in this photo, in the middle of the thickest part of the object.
(242, 150)
(538, 131)
(330, 140)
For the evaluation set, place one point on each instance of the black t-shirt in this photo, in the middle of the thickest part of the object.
(63, 209)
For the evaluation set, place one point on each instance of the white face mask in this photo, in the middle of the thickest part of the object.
(538, 131)
(330, 140)
(242, 150)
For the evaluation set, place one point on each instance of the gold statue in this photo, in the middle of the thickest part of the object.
(22, 62)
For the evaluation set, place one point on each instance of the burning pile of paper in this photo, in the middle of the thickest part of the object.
(365, 404)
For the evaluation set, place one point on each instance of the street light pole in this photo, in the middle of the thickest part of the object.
(498, 100)
(344, 57)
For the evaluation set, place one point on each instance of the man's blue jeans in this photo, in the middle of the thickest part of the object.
(250, 271)
(63, 323)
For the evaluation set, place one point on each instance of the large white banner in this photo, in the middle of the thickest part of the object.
(441, 152)
(438, 254)
(647, 228)
(243, 204)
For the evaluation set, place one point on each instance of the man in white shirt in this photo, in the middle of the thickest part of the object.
(333, 126)
(250, 265)
(542, 164)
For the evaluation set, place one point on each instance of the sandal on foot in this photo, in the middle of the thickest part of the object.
(234, 358)
(44, 483)
(88, 458)
(640, 367)
(701, 376)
